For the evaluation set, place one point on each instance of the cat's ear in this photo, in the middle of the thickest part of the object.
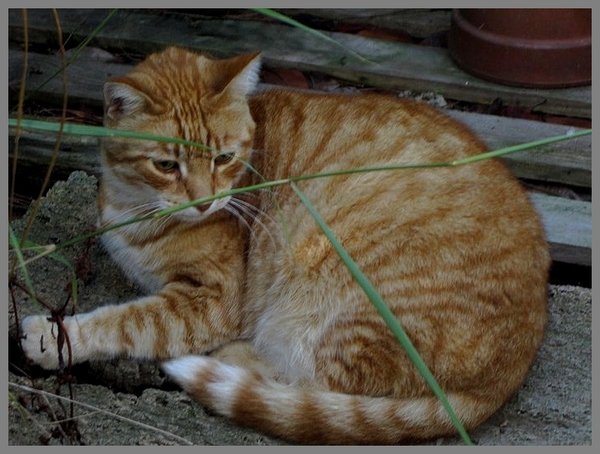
(122, 100)
(238, 76)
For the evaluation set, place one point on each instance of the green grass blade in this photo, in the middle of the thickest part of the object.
(521, 147)
(14, 242)
(288, 20)
(92, 35)
(385, 313)
(98, 131)
(43, 251)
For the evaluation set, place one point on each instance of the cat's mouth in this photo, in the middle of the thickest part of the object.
(203, 208)
(200, 212)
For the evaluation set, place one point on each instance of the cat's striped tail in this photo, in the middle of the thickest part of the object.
(311, 416)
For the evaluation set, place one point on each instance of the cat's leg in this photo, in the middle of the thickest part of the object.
(181, 319)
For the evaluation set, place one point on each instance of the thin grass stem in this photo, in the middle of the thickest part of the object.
(288, 20)
(20, 259)
(99, 131)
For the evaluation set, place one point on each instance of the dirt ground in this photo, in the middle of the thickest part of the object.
(128, 403)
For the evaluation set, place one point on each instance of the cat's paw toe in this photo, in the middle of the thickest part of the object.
(39, 341)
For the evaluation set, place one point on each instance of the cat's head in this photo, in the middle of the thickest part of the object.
(180, 94)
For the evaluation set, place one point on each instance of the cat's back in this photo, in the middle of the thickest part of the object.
(302, 134)
(327, 122)
(462, 243)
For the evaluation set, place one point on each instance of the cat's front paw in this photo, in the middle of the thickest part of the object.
(39, 341)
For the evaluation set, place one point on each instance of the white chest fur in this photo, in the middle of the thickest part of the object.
(134, 261)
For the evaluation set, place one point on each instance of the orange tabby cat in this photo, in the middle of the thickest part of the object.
(296, 349)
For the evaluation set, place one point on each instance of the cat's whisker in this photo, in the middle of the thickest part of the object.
(248, 208)
(155, 225)
(233, 210)
(162, 221)
(277, 222)
(239, 208)
(135, 211)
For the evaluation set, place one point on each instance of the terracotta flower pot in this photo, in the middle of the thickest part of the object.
(525, 47)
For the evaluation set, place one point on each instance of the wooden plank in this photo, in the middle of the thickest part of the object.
(36, 148)
(568, 225)
(392, 65)
(85, 77)
(418, 23)
(567, 162)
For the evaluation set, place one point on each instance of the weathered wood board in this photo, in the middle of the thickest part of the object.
(568, 225)
(418, 23)
(390, 65)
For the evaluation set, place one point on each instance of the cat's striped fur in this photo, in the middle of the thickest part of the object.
(296, 349)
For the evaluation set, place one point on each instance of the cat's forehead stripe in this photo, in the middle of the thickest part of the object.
(185, 152)
(192, 131)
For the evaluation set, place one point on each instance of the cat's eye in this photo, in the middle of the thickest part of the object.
(166, 165)
(223, 158)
